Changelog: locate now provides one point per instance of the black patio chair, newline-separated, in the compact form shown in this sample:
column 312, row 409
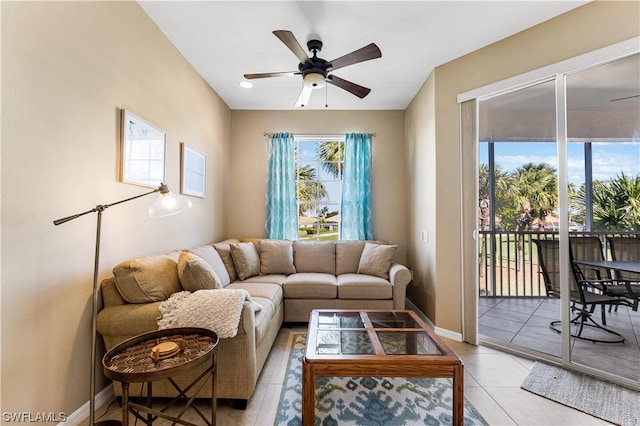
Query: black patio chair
column 590, row 248
column 626, row 248
column 583, row 301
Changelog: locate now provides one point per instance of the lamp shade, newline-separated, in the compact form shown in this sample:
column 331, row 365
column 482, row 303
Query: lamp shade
column 168, row 204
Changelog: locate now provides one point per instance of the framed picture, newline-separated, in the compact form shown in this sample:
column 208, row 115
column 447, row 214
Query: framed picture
column 142, row 152
column 194, row 169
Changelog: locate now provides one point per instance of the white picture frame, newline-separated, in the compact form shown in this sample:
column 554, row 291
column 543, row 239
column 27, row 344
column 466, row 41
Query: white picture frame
column 142, row 151
column 193, row 171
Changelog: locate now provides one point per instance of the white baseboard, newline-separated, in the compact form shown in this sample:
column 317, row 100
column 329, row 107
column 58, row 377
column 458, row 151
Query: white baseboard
column 453, row 335
column 80, row 416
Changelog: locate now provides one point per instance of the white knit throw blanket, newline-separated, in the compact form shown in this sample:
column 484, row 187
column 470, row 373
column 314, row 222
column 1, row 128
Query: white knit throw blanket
column 216, row 310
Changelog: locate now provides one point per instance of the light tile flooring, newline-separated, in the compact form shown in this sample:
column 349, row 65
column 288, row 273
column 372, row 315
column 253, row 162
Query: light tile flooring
column 525, row 322
column 492, row 384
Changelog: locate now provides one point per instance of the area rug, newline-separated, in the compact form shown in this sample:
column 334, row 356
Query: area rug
column 605, row 400
column 367, row 401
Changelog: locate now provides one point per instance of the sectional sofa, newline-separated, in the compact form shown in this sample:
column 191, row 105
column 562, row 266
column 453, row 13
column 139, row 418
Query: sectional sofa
column 282, row 281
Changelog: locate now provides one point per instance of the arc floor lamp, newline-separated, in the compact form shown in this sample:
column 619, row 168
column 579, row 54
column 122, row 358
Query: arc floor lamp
column 167, row 204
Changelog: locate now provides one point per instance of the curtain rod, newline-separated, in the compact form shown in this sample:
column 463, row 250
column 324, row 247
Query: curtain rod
column 317, row 135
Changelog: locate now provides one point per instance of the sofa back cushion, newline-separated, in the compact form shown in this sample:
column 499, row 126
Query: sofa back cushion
column 195, row 273
column 276, row 257
column 209, row 254
column 311, row 256
column 348, row 256
column 148, row 278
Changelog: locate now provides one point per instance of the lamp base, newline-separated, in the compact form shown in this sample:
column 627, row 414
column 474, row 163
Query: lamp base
column 108, row 423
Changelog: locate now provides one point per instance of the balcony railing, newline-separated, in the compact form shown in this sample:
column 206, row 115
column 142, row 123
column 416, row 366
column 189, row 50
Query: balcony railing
column 508, row 261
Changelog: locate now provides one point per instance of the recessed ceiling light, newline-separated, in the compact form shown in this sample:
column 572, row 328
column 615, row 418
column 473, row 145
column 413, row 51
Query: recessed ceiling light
column 246, row 84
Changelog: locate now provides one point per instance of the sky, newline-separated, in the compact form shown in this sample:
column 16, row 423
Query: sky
column 609, row 158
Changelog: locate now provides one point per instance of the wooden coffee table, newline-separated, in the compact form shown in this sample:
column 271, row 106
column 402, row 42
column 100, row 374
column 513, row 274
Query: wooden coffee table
column 376, row 343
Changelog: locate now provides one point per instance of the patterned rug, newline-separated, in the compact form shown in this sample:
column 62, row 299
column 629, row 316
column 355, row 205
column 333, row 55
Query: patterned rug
column 608, row 401
column 365, row 401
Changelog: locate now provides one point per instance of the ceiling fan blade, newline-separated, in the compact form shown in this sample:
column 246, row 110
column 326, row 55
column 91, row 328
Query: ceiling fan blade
column 290, row 41
column 356, row 89
column 303, row 99
column 271, row 74
column 625, row 98
column 363, row 54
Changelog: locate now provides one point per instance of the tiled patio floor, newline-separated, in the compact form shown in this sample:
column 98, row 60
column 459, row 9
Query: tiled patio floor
column 525, row 322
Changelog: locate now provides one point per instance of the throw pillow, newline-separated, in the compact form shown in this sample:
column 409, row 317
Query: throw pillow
column 376, row 260
column 209, row 254
column 196, row 274
column 148, row 278
column 276, row 257
column 348, row 254
column 245, row 259
column 224, row 250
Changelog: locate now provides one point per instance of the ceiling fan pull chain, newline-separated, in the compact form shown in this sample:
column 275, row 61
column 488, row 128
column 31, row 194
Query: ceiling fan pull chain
column 326, row 96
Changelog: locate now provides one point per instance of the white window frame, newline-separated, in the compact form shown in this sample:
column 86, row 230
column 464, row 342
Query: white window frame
column 298, row 139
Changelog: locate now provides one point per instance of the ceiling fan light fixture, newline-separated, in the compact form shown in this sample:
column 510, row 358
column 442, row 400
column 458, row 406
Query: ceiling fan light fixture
column 246, row 84
column 314, row 80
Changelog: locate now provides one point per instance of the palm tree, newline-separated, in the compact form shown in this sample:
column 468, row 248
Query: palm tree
column 500, row 205
column 616, row 203
column 534, row 189
column 308, row 189
column 331, row 155
column 576, row 209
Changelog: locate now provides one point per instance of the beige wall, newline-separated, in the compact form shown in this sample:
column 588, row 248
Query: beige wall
column 67, row 69
column 247, row 184
column 420, row 160
column 438, row 281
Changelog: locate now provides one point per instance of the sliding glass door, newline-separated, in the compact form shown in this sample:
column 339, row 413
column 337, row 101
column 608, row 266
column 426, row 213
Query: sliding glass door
column 603, row 135
column 518, row 202
column 558, row 159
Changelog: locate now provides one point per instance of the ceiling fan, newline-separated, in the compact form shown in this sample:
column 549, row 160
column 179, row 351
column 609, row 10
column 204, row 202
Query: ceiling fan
column 316, row 72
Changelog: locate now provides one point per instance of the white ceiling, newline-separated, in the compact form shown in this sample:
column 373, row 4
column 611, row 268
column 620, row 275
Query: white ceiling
column 225, row 39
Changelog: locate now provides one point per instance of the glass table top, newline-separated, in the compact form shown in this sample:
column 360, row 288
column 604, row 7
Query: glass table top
column 370, row 333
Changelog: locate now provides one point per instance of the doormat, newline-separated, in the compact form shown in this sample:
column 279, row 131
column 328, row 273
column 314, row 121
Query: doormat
column 605, row 400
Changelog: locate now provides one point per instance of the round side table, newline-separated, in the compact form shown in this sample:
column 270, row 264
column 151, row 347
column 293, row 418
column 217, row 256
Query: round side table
column 163, row 354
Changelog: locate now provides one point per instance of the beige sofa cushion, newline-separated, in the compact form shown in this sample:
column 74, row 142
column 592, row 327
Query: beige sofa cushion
column 363, row 287
column 276, row 257
column 348, row 256
column 269, row 296
column 224, row 250
column 148, row 278
column 311, row 256
column 196, row 274
column 268, row 279
column 209, row 254
column 376, row 259
column 309, row 285
column 245, row 259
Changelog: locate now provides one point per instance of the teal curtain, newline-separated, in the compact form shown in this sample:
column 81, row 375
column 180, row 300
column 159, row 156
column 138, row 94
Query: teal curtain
column 356, row 221
column 281, row 210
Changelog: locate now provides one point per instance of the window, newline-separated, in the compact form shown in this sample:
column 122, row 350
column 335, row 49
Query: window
column 319, row 167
